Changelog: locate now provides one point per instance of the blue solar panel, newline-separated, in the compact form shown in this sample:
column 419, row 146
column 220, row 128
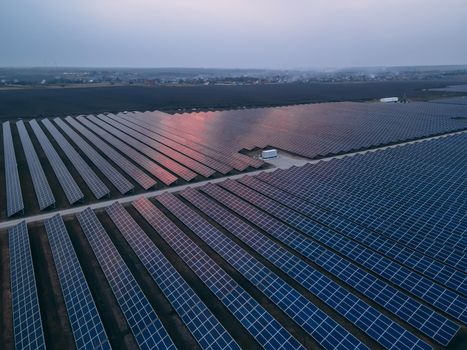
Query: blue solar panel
column 238, row 161
column 85, row 321
column 42, row 189
column 14, row 198
column 314, row 130
column 158, row 157
column 98, row 188
column 144, row 180
column 211, row 162
column 68, row 184
column 262, row 326
column 416, row 314
column 422, row 206
column 323, row 287
column 425, row 265
column 205, row 328
column 447, row 301
column 27, row 324
column 168, row 151
column 318, row 324
column 146, row 163
column 141, row 317
column 114, row 176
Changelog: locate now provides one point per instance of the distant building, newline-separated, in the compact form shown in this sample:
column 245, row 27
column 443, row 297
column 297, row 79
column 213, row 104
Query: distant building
column 389, row 99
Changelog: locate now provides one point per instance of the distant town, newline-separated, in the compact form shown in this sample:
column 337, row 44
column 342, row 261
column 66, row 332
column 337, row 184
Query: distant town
column 81, row 77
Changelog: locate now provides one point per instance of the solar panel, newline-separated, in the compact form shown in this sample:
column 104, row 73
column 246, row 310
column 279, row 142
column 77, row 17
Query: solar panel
column 27, row 323
column 443, row 299
column 240, row 159
column 419, row 207
column 314, row 130
column 191, row 164
column 158, row 136
column 425, row 265
column 202, row 324
column 128, row 167
column 86, row 324
column 261, row 325
column 114, row 176
column 98, row 188
column 421, row 317
column 319, row 325
column 160, row 173
column 144, row 323
column 69, row 185
column 14, row 198
column 185, row 151
column 42, row 189
column 234, row 162
column 160, row 158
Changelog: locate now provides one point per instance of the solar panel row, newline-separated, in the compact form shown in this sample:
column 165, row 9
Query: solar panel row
column 42, row 189
column 117, row 179
column 435, row 236
column 324, row 329
column 165, row 121
column 128, row 167
column 27, row 323
column 421, row 317
column 85, row 321
column 315, row 130
column 190, row 163
column 98, row 188
column 158, row 157
column 146, row 163
column 144, row 323
column 444, row 299
column 138, row 119
column 69, row 185
column 203, row 149
column 203, row 325
column 262, row 326
column 212, row 163
column 14, row 196
column 427, row 266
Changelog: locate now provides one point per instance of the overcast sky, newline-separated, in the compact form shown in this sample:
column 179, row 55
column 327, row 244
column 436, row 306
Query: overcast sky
column 232, row 33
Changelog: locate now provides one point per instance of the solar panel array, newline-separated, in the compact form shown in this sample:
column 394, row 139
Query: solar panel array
column 85, row 321
column 14, row 197
column 42, row 188
column 27, row 323
column 138, row 151
column 98, row 188
column 146, row 163
column 361, row 252
column 200, row 321
column 211, row 162
column 134, row 141
column 145, row 325
column 114, row 176
column 261, row 325
column 188, row 162
column 69, row 185
column 416, row 314
column 325, row 330
column 128, row 167
column 315, row 130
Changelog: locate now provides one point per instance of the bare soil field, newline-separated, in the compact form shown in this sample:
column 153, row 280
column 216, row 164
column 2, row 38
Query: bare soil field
column 33, row 103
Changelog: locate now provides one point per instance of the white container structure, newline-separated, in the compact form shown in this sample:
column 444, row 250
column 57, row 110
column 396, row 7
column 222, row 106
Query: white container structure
column 389, row 99
column 268, row 154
